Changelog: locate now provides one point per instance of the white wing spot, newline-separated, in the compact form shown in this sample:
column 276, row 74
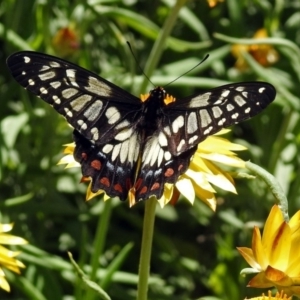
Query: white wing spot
column 205, row 118
column 167, row 155
column 155, row 151
column 192, row 125
column 208, row 130
column 54, row 64
column 78, row 103
column 240, row 88
column 180, row 145
column 124, row 134
column 221, row 122
column 68, row 112
column 31, row 82
column 93, row 111
column 44, row 68
column 47, row 75
column 261, row 90
column 247, row 110
column 23, row 73
column 134, row 148
column 193, row 139
column 245, row 94
column 160, row 157
column 55, row 84
column 96, row 87
column 95, row 133
column 123, row 124
column 27, row 59
column 56, row 99
column 68, row 93
column 235, row 116
column 113, row 115
column 177, row 123
column 200, row 101
column 124, row 151
column 82, row 124
column 230, row 107
column 43, row 90
column 115, row 152
column 225, row 93
column 107, row 148
column 217, row 111
column 167, row 130
column 239, row 100
column 162, row 139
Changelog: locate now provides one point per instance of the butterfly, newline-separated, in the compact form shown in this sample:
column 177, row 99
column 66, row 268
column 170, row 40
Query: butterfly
column 124, row 143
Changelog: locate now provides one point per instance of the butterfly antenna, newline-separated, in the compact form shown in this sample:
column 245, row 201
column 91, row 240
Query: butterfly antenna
column 138, row 63
column 203, row 60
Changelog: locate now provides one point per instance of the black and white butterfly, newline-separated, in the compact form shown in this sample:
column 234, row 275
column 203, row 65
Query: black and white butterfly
column 124, row 143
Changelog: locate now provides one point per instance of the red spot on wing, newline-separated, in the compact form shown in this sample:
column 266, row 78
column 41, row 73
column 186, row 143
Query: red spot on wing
column 96, row 164
column 105, row 181
column 84, row 156
column 169, row 172
column 155, row 186
column 138, row 183
column 118, row 188
column 143, row 190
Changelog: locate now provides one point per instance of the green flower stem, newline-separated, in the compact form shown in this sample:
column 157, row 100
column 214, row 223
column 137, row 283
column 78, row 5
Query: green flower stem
column 160, row 42
column 144, row 267
column 274, row 186
column 99, row 242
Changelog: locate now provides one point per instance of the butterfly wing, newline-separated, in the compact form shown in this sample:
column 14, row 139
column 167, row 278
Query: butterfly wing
column 95, row 107
column 186, row 122
column 105, row 117
column 190, row 120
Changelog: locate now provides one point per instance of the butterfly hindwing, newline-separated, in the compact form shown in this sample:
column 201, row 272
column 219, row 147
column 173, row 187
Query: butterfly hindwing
column 159, row 166
column 110, row 167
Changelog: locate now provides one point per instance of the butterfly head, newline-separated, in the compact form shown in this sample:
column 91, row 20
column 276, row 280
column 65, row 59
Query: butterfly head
column 159, row 94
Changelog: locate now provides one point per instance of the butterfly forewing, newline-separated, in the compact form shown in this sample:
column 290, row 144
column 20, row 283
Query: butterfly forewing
column 123, row 143
column 190, row 120
column 87, row 101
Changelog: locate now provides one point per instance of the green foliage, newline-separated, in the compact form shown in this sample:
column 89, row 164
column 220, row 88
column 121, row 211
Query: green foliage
column 193, row 254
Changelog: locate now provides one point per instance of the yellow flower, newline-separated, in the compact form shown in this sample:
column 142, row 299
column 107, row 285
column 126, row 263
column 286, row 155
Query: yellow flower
column 275, row 256
column 278, row 296
column 203, row 172
column 7, row 257
column 265, row 55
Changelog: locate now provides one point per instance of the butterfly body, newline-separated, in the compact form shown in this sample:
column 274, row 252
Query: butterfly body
column 124, row 143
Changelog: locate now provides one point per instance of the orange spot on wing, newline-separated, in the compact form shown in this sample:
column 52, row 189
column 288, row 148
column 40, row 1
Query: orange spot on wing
column 96, row 164
column 105, row 181
column 169, row 172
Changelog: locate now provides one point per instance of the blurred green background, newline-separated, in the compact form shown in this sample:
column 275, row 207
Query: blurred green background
column 194, row 251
